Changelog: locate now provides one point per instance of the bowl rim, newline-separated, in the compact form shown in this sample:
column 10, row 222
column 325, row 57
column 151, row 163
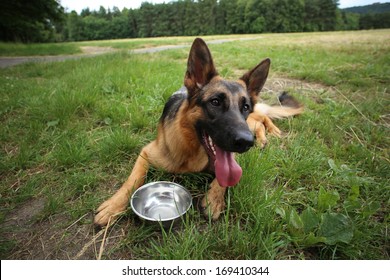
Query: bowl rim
column 154, row 183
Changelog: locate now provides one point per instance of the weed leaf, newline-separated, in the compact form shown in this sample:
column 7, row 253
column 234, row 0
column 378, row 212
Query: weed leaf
column 353, row 202
column 354, row 193
column 295, row 221
column 327, row 199
column 281, row 212
column 109, row 88
column 309, row 219
column 335, row 228
column 371, row 209
column 107, row 121
column 333, row 165
column 53, row 123
column 311, row 239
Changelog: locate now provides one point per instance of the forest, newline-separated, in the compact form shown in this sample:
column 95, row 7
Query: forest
column 47, row 21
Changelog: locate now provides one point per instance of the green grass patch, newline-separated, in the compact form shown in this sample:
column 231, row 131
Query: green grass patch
column 19, row 49
column 72, row 130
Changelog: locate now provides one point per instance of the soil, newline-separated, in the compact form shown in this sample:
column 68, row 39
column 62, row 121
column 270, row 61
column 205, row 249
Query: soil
column 33, row 239
column 96, row 50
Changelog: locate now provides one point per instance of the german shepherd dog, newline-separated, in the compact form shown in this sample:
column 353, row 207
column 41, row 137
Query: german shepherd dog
column 201, row 128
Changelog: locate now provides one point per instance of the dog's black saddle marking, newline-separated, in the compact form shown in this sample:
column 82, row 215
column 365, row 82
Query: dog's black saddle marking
column 173, row 104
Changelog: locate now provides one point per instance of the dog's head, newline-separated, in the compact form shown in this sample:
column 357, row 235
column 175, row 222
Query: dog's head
column 225, row 106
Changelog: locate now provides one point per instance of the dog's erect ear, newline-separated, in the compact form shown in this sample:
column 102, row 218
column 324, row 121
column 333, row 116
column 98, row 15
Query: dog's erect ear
column 200, row 66
column 255, row 79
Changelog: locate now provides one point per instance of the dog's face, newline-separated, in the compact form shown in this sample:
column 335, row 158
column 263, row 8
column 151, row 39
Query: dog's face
column 225, row 106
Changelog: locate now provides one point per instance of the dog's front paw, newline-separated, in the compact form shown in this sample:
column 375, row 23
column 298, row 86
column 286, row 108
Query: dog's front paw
column 213, row 206
column 109, row 210
column 274, row 130
column 261, row 142
column 261, row 139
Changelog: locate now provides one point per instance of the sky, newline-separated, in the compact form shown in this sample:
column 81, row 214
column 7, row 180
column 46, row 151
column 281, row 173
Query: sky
column 78, row 5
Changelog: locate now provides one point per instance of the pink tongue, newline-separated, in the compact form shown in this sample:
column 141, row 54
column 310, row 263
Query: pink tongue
column 227, row 170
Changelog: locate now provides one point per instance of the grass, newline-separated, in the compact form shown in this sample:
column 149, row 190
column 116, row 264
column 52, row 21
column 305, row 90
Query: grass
column 71, row 132
column 19, row 49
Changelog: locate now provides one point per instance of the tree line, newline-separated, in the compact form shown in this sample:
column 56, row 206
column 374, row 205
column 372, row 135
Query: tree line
column 177, row 18
column 204, row 17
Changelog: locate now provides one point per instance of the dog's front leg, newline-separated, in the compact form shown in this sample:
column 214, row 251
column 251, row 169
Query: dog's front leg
column 214, row 202
column 258, row 124
column 118, row 203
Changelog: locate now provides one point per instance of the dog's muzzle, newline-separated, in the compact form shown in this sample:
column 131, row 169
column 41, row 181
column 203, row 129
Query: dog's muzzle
column 243, row 141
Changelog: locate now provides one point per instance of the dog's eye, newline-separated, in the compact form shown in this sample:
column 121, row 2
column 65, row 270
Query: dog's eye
column 215, row 102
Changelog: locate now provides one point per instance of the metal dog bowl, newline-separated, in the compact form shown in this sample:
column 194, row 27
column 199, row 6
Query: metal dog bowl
column 161, row 201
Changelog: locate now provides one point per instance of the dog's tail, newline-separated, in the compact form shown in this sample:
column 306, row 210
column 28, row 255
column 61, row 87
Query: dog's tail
column 288, row 107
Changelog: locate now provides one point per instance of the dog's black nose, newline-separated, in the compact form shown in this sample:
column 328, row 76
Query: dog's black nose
column 243, row 141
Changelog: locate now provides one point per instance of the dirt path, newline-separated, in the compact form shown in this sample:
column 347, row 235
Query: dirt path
column 89, row 51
